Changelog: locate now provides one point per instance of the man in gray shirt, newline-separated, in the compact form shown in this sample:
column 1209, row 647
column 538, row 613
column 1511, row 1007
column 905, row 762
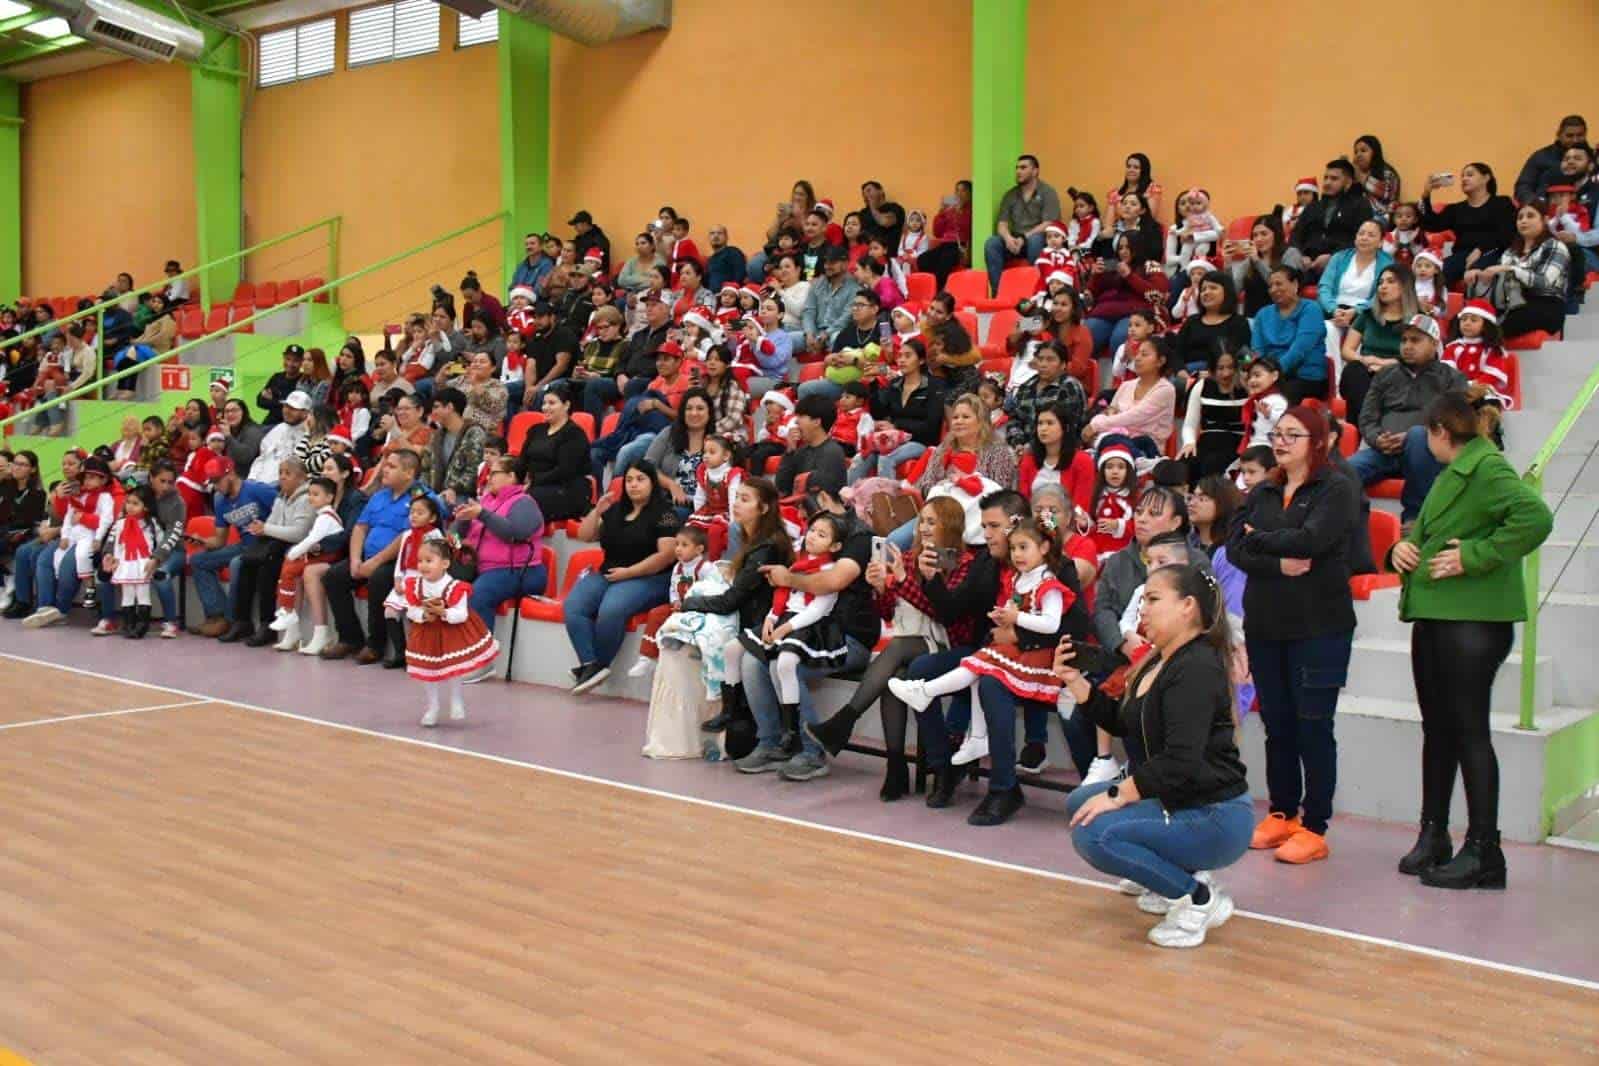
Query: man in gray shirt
column 1027, row 208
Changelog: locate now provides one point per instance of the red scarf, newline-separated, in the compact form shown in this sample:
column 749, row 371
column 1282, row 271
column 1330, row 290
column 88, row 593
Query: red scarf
column 87, row 503
column 805, row 564
column 410, row 550
column 1249, row 415
column 133, row 541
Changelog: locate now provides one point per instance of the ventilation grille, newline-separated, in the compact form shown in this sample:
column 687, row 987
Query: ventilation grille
column 113, row 31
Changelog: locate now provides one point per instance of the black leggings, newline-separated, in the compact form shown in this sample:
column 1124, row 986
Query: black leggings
column 1539, row 312
column 889, row 663
column 1454, row 664
column 1353, row 383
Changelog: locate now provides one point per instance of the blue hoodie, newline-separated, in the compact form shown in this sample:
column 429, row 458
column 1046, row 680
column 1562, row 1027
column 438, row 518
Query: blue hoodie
column 1298, row 342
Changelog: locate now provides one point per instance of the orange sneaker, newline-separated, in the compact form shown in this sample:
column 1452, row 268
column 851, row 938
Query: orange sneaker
column 1273, row 831
column 1304, row 846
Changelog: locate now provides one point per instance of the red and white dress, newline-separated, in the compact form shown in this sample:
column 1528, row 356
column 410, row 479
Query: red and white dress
column 132, row 540
column 1114, row 506
column 405, row 567
column 1053, row 259
column 192, row 482
column 1483, row 364
column 1027, row 667
column 437, row 649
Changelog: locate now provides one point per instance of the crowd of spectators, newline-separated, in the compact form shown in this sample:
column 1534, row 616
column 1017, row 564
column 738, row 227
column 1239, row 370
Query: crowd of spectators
column 1154, row 462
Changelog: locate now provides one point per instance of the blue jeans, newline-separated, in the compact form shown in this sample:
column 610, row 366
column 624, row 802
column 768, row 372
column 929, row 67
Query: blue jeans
column 761, row 692
column 999, row 711
column 884, row 465
column 424, row 390
column 633, row 449
column 1297, row 683
column 1160, row 849
column 23, row 564
column 629, row 428
column 207, row 567
column 1109, row 334
column 597, row 611
column 995, row 253
column 55, row 585
column 598, row 395
column 902, row 537
column 1414, row 463
column 933, row 727
column 494, row 587
column 757, row 267
column 165, row 590
column 821, row 387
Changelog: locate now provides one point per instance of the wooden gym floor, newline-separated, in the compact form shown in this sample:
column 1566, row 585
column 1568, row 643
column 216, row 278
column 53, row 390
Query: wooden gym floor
column 191, row 881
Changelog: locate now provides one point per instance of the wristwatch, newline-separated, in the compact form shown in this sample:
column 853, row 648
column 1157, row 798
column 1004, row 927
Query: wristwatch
column 1113, row 791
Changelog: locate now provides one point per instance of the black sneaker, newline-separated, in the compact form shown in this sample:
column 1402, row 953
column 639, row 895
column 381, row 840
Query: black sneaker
column 593, row 676
column 1033, row 759
column 18, row 609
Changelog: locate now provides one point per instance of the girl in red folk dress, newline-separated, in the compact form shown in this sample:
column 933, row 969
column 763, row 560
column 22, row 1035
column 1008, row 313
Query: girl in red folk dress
column 131, row 542
column 447, row 641
column 715, row 482
column 1028, row 621
column 1114, row 498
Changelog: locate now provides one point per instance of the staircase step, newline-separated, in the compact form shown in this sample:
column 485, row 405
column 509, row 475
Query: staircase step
column 1378, row 668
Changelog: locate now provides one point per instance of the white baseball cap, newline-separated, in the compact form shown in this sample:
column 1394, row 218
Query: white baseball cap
column 299, row 399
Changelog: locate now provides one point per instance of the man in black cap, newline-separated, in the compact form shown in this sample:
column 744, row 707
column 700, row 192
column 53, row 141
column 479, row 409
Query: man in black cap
column 550, row 351
column 590, row 236
column 280, row 385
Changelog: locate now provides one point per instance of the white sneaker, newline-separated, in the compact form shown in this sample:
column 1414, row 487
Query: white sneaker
column 457, row 712
column 284, row 620
column 1103, row 770
column 431, row 717
column 104, row 628
column 642, row 668
column 1155, row 903
column 321, row 638
column 1187, row 923
column 972, row 749
column 170, row 631
column 913, row 693
column 1128, row 887
column 479, row 675
column 44, row 616
column 291, row 636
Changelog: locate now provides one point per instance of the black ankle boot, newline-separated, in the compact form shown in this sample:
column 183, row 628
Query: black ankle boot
column 130, row 622
column 395, row 628
column 1480, row 864
column 834, row 733
column 144, row 613
column 788, row 717
column 733, row 707
column 896, row 779
column 1433, row 848
column 945, row 780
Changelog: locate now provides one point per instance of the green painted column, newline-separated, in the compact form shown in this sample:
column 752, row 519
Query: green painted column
column 999, row 90
column 10, row 190
column 216, row 100
column 524, row 67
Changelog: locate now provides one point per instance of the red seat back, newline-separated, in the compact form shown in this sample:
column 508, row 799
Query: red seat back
column 968, row 287
column 1383, row 530
column 1017, row 284
column 266, row 294
column 968, row 321
column 217, row 319
column 585, row 421
column 240, row 313
column 244, row 292
column 288, row 290
column 1348, row 440
column 520, row 427
column 921, row 287
column 311, row 284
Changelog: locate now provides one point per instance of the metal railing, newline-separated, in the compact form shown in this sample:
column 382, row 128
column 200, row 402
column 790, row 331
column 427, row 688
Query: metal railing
column 304, row 297
column 97, row 311
column 1531, row 565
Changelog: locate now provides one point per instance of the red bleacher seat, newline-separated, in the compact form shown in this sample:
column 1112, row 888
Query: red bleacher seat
column 1453, row 303
column 812, row 371
column 1386, row 489
column 310, row 284
column 521, row 425
column 920, row 286
column 1513, row 372
column 585, row 421
column 217, row 319
column 266, row 294
column 1348, row 440
column 1529, row 342
column 968, row 321
column 1383, row 530
column 244, row 292
column 1000, row 326
column 288, row 290
column 547, row 560
column 191, row 322
column 548, row 611
column 240, row 314
column 1015, row 284
column 968, row 287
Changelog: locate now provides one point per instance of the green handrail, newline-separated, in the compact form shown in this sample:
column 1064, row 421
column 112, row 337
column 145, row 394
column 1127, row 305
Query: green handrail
column 1531, row 568
column 304, row 297
column 99, row 309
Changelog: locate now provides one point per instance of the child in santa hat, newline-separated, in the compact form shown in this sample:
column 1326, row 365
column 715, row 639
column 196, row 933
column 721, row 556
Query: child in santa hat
column 1306, row 192
column 1266, row 402
column 912, row 241
column 1056, row 255
column 1114, row 494
column 1406, row 238
column 1432, row 293
column 1188, row 300
column 1476, row 349
column 779, row 433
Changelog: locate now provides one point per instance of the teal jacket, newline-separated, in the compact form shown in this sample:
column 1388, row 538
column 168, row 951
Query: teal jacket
column 1498, row 519
column 1327, row 285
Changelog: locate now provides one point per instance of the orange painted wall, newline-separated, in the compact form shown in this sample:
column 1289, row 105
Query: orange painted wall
column 403, row 150
column 109, row 147
column 1243, row 99
column 719, row 116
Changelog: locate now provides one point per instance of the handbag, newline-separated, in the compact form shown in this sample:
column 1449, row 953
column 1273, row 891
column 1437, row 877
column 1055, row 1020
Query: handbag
column 463, row 567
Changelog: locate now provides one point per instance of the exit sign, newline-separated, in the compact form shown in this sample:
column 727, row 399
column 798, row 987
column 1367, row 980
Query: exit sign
column 174, row 377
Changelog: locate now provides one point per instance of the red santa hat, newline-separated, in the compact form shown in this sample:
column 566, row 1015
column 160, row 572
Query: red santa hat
column 1199, row 262
column 593, row 257
column 727, row 316
column 754, row 290
column 825, row 206
column 1306, row 185
column 732, row 287
column 1060, row 275
column 525, row 293
column 782, row 399
column 1056, row 227
column 697, row 317
column 215, row 434
column 1115, row 448
column 341, row 434
column 1430, row 256
column 1482, row 309
column 907, row 311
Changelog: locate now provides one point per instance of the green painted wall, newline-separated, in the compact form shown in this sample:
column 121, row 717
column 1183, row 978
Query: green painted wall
column 10, row 190
column 524, row 83
column 999, row 76
column 217, row 131
column 1571, row 767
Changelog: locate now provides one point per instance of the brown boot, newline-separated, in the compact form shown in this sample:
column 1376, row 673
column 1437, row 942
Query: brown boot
column 212, row 627
column 338, row 651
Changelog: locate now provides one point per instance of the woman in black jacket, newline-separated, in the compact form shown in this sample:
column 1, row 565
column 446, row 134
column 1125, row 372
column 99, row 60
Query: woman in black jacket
column 554, row 462
column 1185, row 806
column 765, row 543
column 1484, row 223
column 22, row 499
column 913, row 402
column 1292, row 540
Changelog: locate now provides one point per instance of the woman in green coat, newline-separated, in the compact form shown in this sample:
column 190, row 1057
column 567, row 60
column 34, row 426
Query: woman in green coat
column 1461, row 570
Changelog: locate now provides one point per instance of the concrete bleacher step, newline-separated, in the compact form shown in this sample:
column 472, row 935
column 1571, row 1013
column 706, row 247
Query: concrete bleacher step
column 1583, row 327
column 1380, row 668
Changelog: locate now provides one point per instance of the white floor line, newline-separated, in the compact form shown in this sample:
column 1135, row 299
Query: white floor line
column 102, row 714
column 928, row 849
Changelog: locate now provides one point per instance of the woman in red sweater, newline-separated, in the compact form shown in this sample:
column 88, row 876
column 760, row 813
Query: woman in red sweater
column 1054, row 457
column 1120, row 287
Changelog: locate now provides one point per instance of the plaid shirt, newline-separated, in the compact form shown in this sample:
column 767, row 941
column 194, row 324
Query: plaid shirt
column 1033, row 396
column 603, row 360
column 730, row 408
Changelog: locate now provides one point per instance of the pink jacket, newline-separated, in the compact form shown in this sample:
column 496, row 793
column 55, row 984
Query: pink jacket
column 494, row 552
column 1150, row 417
